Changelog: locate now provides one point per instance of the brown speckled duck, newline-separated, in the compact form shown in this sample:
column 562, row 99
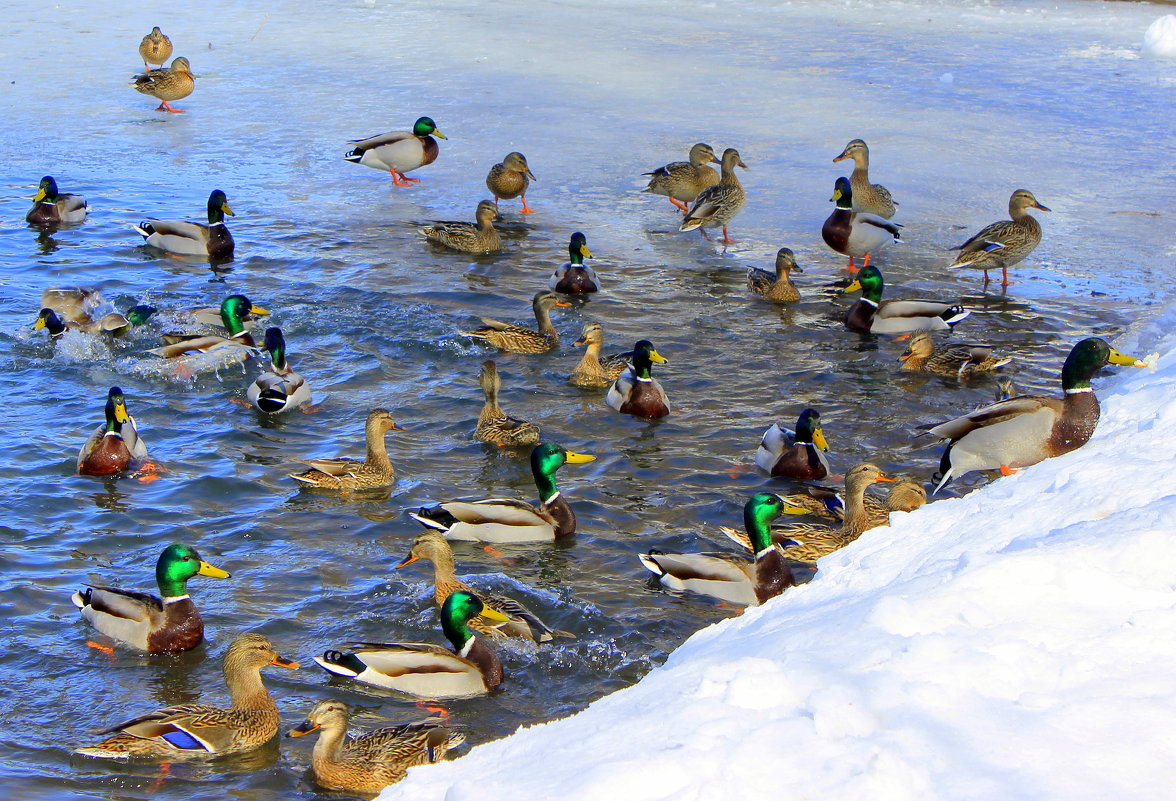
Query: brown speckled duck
column 349, row 475
column 958, row 361
column 167, row 83
column 479, row 237
column 681, row 181
column 1005, row 243
column 778, row 287
column 155, row 48
column 867, row 197
column 510, row 178
column 592, row 370
column 717, row 205
column 494, row 425
column 516, row 338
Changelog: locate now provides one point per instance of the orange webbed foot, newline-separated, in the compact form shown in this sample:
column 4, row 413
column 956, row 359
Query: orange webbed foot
column 1005, row 470
column 106, row 649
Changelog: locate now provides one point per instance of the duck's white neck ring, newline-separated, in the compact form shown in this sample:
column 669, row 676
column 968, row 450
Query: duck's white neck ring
column 872, row 303
column 171, row 599
column 550, row 500
column 1079, row 390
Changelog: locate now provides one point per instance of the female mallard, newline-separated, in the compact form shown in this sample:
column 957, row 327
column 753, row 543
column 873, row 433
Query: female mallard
column 73, row 304
column 800, row 457
column 959, row 361
column 156, row 48
column 681, row 181
column 522, row 622
column 636, row 392
column 494, row 425
column 349, row 475
column 510, row 179
column 730, row 577
column 114, row 447
column 1005, row 388
column 1022, row 431
column 574, row 277
column 873, row 316
column 593, row 371
column 369, row 763
column 507, row 519
column 278, row 389
column 825, row 502
column 778, row 287
column 190, row 730
column 867, row 197
column 212, row 241
column 399, row 152
column 149, row 623
column 1005, row 243
column 51, row 207
column 515, row 338
column 716, row 205
column 167, row 83
column 477, row 237
column 110, row 323
column 854, row 233
column 237, row 346
column 423, row 669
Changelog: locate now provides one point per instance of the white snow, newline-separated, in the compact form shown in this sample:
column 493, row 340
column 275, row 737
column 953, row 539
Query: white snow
column 1159, row 41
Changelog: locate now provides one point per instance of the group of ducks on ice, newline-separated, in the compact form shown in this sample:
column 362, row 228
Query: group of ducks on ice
column 1015, row 432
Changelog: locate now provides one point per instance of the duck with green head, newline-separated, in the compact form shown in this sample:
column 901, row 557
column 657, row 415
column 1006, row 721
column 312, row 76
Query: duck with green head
column 1022, row 431
column 238, row 343
column 110, row 323
column 637, row 392
column 872, row 315
column 398, row 152
column 423, row 669
column 730, row 577
column 508, row 520
column 574, row 277
column 280, row 388
column 855, row 233
column 212, row 241
column 800, row 455
column 156, row 625
column 51, row 207
column 115, row 446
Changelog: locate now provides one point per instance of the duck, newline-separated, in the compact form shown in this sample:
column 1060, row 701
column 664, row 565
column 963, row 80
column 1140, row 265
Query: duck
column 110, row 323
column 280, row 388
column 373, row 761
column 855, row 233
column 521, row 621
column 479, row 237
column 423, row 669
column 730, row 577
column 825, row 502
column 509, row 520
column 237, row 346
column 212, row 241
column 959, row 361
column 494, row 425
column 801, row 456
column 872, row 315
column 516, row 338
column 681, row 181
column 1005, row 243
column 115, row 446
column 167, row 83
column 867, row 197
column 350, row 475
column 636, row 391
column 155, row 48
column 52, row 207
column 717, row 205
column 1005, row 388
column 510, row 178
column 1022, row 431
column 193, row 730
column 399, row 152
column 777, row 287
column 574, row 277
column 592, row 370
column 73, row 304
column 155, row 625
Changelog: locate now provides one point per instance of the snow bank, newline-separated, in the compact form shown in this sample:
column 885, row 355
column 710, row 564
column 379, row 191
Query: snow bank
column 1160, row 39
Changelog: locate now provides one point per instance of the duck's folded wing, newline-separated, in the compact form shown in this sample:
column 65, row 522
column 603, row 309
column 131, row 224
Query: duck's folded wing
column 704, row 566
column 333, row 467
column 509, row 511
column 993, row 414
column 912, row 308
column 878, row 222
column 180, row 228
column 990, row 237
column 391, row 137
column 127, row 604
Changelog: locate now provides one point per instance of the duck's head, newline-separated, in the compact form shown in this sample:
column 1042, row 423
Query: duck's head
column 486, row 212
column 842, row 193
column 906, row 496
column 430, row 546
column 869, row 282
column 156, row 32
column 808, row 429
column 50, row 321
column 177, row 564
column 252, row 651
column 218, row 207
column 548, row 457
column 1087, row 357
column 140, row 314
column 644, row 357
column 488, row 378
column 786, row 261
column 731, row 159
column 862, row 475
column 578, row 247
column 329, row 715
column 517, row 162
column 854, row 150
column 426, row 127
column 593, row 332
column 921, row 344
column 1023, row 199
column 458, row 610
column 381, row 421
column 546, row 299
column 702, row 153
column 275, row 345
column 46, row 190
column 235, row 309
column 116, row 410
column 758, row 513
column 181, row 65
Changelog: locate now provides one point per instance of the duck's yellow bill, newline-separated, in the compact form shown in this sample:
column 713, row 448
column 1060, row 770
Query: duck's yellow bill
column 1127, row 361
column 792, row 509
column 37, row 198
column 120, row 412
column 571, row 457
column 260, row 312
column 493, row 614
column 39, row 324
column 819, row 439
column 438, row 133
column 657, row 358
column 856, row 286
column 212, row 571
column 585, row 252
column 225, row 208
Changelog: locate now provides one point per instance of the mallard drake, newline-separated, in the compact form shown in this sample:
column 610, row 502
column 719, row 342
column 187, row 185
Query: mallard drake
column 51, row 207
column 825, row 502
column 778, row 287
column 867, row 197
column 477, row 237
column 349, row 475
column 515, row 338
column 800, row 456
column 730, row 577
column 636, row 392
column 110, row 323
column 237, row 346
column 1022, row 431
column 211, row 315
column 423, row 669
column 212, row 241
column 115, row 446
column 574, row 277
column 854, row 233
column 369, row 763
column 873, row 316
column 959, row 361
column 510, row 179
column 167, row 83
column 155, row 48
column 593, row 371
column 278, row 389
column 185, row 731
column 717, row 205
column 494, row 425
column 1005, row 243
column 681, row 181
column 522, row 622
column 399, row 152
column 149, row 623
column 507, row 519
